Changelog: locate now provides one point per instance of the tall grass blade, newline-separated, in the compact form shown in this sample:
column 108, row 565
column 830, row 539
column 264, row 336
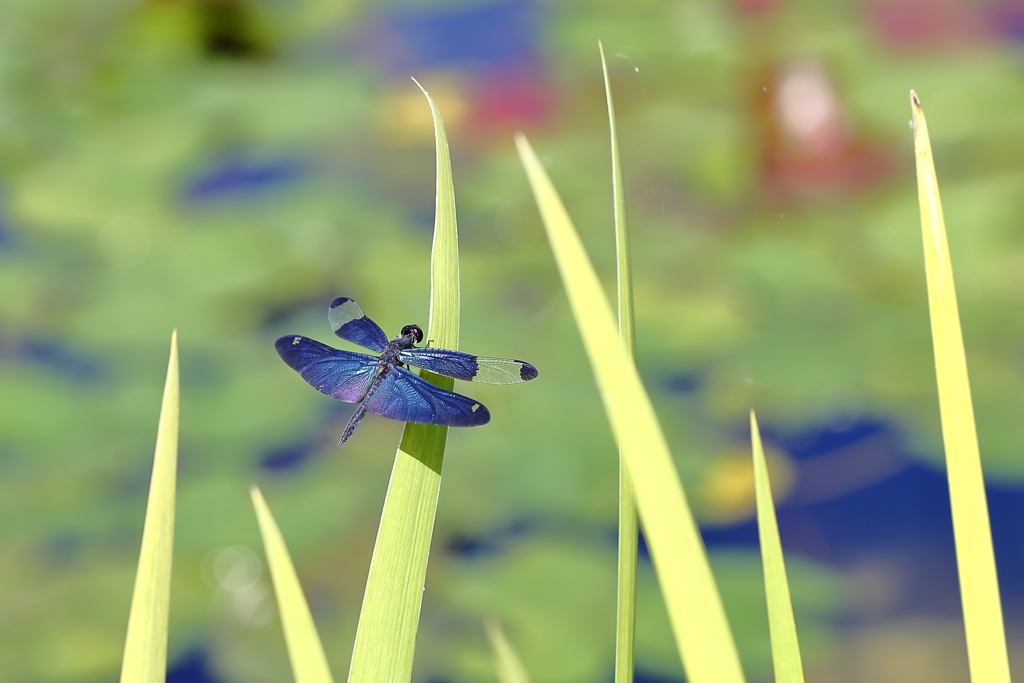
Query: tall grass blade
column 309, row 664
column 691, row 596
column 781, row 624
column 625, row 612
column 510, row 667
column 145, row 648
column 386, row 634
column 979, row 586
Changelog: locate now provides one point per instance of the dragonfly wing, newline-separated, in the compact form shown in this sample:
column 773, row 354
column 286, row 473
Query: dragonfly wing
column 469, row 368
column 342, row 374
column 350, row 323
column 406, row 396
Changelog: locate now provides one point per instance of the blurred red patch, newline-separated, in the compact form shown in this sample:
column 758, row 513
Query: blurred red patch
column 929, row 24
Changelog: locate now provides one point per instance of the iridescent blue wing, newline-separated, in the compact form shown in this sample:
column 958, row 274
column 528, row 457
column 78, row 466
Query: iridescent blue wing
column 410, row 398
column 342, row 374
column 469, row 368
column 350, row 323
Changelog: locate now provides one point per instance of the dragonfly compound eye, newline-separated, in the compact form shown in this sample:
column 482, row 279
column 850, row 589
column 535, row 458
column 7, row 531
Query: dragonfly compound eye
column 415, row 331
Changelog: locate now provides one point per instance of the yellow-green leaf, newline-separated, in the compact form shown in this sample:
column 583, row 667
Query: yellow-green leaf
column 781, row 624
column 386, row 634
column 687, row 584
column 625, row 612
column 979, row 586
column 145, row 648
column 509, row 667
column 309, row 664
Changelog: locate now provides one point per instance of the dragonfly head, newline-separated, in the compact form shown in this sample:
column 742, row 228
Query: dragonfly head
column 413, row 334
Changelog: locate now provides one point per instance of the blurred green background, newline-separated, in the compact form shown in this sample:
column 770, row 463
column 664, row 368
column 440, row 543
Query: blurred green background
column 227, row 167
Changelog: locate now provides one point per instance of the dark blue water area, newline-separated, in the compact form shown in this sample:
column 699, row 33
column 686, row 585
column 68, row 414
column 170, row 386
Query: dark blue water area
column 684, row 382
column 56, row 358
column 493, row 541
column 191, row 668
column 904, row 518
column 7, row 236
column 289, row 457
column 821, row 440
column 494, row 35
column 1006, row 514
column 641, row 676
column 237, row 176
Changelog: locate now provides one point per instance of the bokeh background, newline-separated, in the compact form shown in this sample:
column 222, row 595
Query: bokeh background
column 227, row 167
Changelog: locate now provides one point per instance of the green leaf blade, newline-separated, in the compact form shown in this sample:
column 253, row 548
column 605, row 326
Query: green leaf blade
column 389, row 618
column 145, row 648
column 694, row 606
column 443, row 327
column 781, row 623
column 629, row 523
column 305, row 651
column 509, row 667
column 979, row 585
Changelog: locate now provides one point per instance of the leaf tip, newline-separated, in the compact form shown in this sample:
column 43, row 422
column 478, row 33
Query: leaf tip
column 917, row 112
column 259, row 504
column 523, row 148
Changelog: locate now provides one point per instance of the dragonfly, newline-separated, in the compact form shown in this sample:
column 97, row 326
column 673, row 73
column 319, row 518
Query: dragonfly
column 382, row 384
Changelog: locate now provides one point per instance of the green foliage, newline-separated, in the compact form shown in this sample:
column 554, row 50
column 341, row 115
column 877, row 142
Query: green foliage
column 386, row 636
column 691, row 596
column 629, row 526
column 509, row 667
column 306, row 653
column 979, row 587
column 145, row 648
column 785, row 647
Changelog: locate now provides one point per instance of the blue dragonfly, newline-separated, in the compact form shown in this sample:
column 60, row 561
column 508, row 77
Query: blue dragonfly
column 382, row 384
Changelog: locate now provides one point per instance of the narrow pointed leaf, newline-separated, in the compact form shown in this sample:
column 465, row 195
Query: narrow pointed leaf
column 687, row 584
column 979, row 586
column 309, row 664
column 388, row 620
column 625, row 621
column 145, row 648
column 781, row 624
column 510, row 668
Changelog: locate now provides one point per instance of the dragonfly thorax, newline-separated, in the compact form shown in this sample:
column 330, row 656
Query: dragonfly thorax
column 410, row 336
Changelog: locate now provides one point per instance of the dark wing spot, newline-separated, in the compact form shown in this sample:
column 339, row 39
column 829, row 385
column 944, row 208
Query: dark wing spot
column 339, row 301
column 527, row 371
